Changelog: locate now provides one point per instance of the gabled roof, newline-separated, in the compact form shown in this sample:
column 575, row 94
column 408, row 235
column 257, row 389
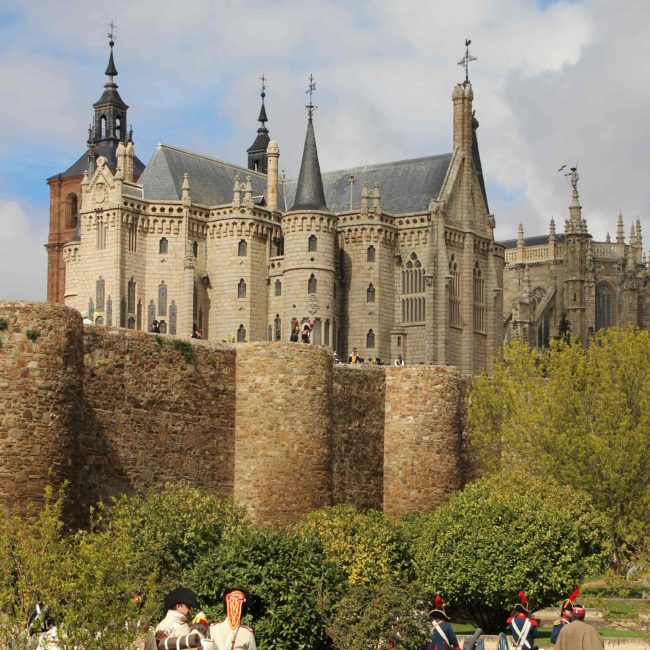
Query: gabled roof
column 405, row 185
column 211, row 180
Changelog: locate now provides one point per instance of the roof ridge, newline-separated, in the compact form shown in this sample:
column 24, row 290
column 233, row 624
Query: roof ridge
column 210, row 158
column 387, row 163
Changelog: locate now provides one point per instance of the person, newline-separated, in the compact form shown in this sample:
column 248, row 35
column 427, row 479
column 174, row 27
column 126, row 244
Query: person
column 399, row 362
column 196, row 332
column 305, row 335
column 443, row 634
column 354, row 357
column 566, row 614
column 177, row 607
column 522, row 627
column 230, row 634
column 295, row 332
column 198, row 637
column 155, row 327
column 579, row 635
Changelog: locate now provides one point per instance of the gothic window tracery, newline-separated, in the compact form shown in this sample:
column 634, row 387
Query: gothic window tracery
column 99, row 293
column 454, row 292
column 413, row 308
column 479, row 299
column 162, row 298
column 604, row 306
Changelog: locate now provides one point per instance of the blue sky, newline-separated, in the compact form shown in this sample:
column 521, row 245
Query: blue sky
column 555, row 82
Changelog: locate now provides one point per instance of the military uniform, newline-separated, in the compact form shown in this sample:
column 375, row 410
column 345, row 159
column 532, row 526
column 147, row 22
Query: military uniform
column 557, row 628
column 443, row 634
column 523, row 628
column 225, row 638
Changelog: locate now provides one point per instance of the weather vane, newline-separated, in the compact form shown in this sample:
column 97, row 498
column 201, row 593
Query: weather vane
column 112, row 25
column 312, row 86
column 263, row 80
column 466, row 60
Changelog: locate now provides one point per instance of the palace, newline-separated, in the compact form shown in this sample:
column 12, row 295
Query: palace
column 394, row 258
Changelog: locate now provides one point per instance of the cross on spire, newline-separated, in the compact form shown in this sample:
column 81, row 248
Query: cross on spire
column 111, row 35
column 466, row 60
column 312, row 87
column 263, row 80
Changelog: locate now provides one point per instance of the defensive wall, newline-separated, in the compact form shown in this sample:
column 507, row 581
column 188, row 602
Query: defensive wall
column 277, row 426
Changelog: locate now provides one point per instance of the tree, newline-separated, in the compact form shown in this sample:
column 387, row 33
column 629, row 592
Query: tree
column 505, row 533
column 580, row 415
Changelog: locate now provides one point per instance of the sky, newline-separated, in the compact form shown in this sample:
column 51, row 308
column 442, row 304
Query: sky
column 555, row 82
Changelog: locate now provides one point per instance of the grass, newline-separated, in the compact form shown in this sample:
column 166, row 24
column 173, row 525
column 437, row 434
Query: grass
column 32, row 335
column 4, row 324
column 185, row 348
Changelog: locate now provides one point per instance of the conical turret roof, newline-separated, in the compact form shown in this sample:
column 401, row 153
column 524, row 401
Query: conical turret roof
column 309, row 191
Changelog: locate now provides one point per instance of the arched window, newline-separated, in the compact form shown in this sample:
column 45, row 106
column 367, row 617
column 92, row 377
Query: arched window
column 118, row 128
column 604, row 306
column 241, row 334
column 139, row 315
column 131, row 323
column 99, row 293
column 370, row 293
column 102, row 126
column 370, row 339
column 242, row 248
column 413, row 284
column 241, row 289
column 269, row 333
column 163, row 327
column 312, row 284
column 278, row 288
column 71, row 211
column 195, row 249
column 278, row 327
column 130, row 295
column 109, row 312
column 454, row 292
column 163, row 246
column 317, row 333
column 371, row 254
column 151, row 315
column 479, row 299
column 162, row 299
column 173, row 316
column 312, row 244
column 123, row 313
column 327, row 332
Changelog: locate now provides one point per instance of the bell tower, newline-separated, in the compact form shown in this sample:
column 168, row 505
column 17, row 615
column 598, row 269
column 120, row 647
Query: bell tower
column 257, row 151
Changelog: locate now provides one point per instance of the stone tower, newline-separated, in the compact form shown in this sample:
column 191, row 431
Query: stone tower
column 257, row 160
column 310, row 248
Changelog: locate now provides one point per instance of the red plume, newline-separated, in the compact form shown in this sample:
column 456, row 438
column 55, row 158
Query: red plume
column 522, row 598
column 574, row 594
column 438, row 602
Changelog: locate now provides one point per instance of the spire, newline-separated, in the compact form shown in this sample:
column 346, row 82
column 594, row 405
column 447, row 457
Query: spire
column 620, row 229
column 111, row 70
column 309, row 191
column 257, row 160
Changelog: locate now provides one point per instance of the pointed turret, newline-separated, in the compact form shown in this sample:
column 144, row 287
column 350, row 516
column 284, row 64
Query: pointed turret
column 309, row 191
column 110, row 110
column 257, row 160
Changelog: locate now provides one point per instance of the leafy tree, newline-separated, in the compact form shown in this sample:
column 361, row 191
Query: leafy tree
column 580, row 415
column 295, row 585
column 373, row 616
column 504, row 533
column 367, row 546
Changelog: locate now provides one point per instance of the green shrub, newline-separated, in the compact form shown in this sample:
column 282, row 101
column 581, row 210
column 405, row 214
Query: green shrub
column 32, row 335
column 505, row 533
column 185, row 348
column 372, row 617
column 4, row 324
column 367, row 546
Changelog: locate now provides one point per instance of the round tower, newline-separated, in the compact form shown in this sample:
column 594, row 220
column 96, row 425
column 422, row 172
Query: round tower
column 310, row 250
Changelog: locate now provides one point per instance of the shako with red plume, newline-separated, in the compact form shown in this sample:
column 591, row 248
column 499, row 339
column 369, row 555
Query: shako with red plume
column 438, row 612
column 522, row 605
column 567, row 605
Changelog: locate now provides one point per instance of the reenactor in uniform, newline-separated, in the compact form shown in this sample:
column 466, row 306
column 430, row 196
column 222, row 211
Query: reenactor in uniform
column 579, row 635
column 230, row 634
column 443, row 634
column 177, row 605
column 566, row 614
column 522, row 627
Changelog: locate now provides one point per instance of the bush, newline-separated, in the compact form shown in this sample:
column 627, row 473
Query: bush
column 367, row 546
column 392, row 610
column 295, row 585
column 505, row 533
column 32, row 335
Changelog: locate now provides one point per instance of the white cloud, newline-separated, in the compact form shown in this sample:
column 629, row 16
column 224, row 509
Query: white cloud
column 23, row 263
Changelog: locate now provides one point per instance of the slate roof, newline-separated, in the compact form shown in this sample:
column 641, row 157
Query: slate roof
column 211, row 180
column 539, row 240
column 105, row 149
column 405, row 185
column 309, row 193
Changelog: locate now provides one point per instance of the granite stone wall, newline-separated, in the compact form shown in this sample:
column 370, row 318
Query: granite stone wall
column 275, row 425
column 40, row 397
column 358, row 435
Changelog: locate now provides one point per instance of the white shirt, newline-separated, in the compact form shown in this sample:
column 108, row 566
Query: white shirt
column 174, row 624
column 222, row 635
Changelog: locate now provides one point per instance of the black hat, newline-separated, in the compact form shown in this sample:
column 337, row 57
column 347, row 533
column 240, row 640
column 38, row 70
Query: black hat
column 180, row 595
column 522, row 605
column 247, row 598
column 439, row 611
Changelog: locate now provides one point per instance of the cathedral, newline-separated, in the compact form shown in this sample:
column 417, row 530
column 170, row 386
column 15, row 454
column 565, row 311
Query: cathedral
column 391, row 259
column 566, row 282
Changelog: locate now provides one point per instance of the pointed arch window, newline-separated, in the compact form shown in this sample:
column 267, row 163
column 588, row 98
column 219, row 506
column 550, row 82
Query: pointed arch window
column 413, row 286
column 370, row 339
column 173, row 316
column 277, row 323
column 312, row 244
column 71, row 211
column 195, row 249
column 99, row 293
column 479, row 299
column 102, row 126
column 312, row 284
column 242, row 248
column 109, row 312
column 151, row 315
column 370, row 293
column 241, row 334
column 604, row 306
column 139, row 315
column 454, row 292
column 162, row 298
column 163, row 246
column 327, row 332
column 241, row 289
column 278, row 288
column 371, row 254
column 130, row 295
column 91, row 309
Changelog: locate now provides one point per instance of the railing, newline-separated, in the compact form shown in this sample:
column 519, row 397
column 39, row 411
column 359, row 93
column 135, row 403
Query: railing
column 605, row 250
